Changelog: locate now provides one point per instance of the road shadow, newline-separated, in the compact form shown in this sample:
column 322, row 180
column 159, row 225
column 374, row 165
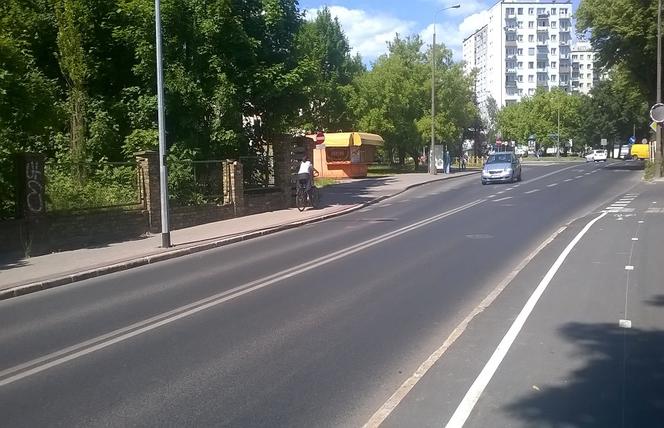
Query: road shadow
column 630, row 165
column 620, row 384
column 657, row 300
column 355, row 191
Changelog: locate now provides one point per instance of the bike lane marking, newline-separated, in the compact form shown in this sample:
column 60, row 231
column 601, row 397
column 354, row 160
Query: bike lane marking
column 475, row 391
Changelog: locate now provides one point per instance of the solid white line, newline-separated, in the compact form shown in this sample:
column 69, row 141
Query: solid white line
column 62, row 356
column 567, row 180
column 531, row 191
column 552, row 185
column 471, row 398
column 502, row 199
column 388, row 407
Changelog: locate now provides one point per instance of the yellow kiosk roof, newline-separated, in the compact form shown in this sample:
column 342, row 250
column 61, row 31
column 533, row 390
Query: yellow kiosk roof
column 347, row 139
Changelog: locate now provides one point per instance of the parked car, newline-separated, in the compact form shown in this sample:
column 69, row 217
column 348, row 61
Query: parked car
column 640, row 151
column 502, row 167
column 597, row 156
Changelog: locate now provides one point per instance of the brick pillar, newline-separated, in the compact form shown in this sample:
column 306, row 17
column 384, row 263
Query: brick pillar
column 237, row 186
column 148, row 169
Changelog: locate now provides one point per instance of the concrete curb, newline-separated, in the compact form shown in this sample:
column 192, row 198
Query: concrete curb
column 196, row 248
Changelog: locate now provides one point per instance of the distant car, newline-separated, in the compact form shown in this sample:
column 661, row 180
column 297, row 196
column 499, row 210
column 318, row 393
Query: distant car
column 501, row 167
column 596, row 156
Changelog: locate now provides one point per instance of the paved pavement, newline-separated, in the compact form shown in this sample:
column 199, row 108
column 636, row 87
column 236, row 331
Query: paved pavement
column 18, row 277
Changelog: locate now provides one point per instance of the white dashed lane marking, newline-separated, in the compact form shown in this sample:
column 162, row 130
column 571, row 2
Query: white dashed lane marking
column 531, row 191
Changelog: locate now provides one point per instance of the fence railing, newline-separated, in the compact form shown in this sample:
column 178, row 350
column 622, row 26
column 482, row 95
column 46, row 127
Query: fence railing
column 7, row 189
column 92, row 185
column 193, row 182
column 258, row 172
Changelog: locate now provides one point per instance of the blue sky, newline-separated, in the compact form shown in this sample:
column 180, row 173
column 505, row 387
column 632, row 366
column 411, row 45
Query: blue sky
column 369, row 24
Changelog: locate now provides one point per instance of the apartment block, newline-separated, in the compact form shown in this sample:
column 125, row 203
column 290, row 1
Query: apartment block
column 523, row 46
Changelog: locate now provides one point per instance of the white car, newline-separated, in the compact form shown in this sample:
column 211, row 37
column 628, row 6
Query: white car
column 596, row 156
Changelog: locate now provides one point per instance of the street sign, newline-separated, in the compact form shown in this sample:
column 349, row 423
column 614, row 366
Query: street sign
column 653, row 126
column 632, row 140
column 657, row 112
column 320, row 137
column 603, row 142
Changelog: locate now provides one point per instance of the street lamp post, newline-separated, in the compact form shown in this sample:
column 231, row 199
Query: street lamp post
column 658, row 133
column 163, row 172
column 432, row 162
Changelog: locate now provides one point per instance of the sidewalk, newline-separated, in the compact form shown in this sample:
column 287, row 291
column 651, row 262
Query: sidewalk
column 27, row 275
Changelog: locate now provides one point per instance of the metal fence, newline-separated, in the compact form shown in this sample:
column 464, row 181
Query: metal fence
column 92, row 185
column 8, row 181
column 195, row 182
column 258, row 172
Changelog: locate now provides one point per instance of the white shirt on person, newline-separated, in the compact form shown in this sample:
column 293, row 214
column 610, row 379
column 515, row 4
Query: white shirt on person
column 305, row 167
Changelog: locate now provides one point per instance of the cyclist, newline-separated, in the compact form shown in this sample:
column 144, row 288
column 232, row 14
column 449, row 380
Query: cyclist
column 306, row 172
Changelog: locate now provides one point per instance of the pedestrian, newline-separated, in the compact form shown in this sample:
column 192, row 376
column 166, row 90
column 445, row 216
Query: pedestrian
column 464, row 161
column 447, row 161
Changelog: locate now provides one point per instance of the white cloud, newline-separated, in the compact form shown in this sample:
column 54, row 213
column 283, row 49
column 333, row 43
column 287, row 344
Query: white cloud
column 368, row 33
column 452, row 34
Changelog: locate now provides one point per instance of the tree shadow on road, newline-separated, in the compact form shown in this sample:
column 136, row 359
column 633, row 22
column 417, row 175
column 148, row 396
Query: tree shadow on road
column 621, row 383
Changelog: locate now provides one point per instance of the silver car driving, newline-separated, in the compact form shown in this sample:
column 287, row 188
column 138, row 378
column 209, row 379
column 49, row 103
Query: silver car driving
column 501, row 167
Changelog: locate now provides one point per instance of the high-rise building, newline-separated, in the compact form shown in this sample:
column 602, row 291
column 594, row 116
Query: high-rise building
column 584, row 73
column 523, row 46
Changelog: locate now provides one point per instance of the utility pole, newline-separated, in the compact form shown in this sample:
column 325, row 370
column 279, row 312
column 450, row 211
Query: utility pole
column 163, row 172
column 658, row 133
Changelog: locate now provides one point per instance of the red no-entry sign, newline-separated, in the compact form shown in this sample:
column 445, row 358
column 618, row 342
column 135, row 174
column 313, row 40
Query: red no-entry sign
column 320, row 137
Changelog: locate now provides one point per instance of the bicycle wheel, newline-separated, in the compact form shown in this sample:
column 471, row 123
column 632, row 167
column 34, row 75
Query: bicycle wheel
column 300, row 200
column 315, row 197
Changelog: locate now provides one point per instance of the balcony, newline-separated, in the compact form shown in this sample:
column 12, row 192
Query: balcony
column 510, row 57
column 510, row 70
column 543, row 84
column 543, row 30
column 510, row 83
column 564, row 57
column 510, row 43
column 564, row 69
column 542, row 55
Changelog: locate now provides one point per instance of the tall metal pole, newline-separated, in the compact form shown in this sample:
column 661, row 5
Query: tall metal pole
column 558, row 148
column 163, row 172
column 432, row 161
column 658, row 133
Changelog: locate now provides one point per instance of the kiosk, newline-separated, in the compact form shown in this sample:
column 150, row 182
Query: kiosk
column 346, row 154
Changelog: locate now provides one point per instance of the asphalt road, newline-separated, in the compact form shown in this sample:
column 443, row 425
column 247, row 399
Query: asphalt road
column 316, row 326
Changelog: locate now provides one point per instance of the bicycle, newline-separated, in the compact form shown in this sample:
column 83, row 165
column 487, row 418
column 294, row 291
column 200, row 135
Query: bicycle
column 303, row 197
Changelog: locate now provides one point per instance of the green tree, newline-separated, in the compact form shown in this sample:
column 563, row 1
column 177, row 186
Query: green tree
column 324, row 54
column 391, row 98
column 623, row 32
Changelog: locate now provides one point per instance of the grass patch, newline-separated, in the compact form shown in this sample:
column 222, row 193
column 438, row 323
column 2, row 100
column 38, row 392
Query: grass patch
column 649, row 170
column 322, row 181
column 378, row 170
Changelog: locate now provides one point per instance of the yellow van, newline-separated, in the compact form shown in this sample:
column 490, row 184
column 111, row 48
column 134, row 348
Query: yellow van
column 640, row 151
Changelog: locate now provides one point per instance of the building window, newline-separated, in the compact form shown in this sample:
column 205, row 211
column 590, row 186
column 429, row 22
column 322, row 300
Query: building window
column 520, row 11
column 519, row 51
column 553, row 11
column 541, row 64
column 519, row 24
column 531, row 51
column 531, row 38
column 580, row 66
column 563, row 12
column 519, row 38
column 553, row 37
column 553, row 64
column 541, row 11
column 531, row 24
column 519, row 65
column 553, row 24
column 553, row 77
column 575, row 57
column 553, row 51
column 531, row 11
column 519, row 78
column 531, row 91
column 510, row 11
column 531, row 65
column 531, row 78
column 588, row 76
column 580, row 85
